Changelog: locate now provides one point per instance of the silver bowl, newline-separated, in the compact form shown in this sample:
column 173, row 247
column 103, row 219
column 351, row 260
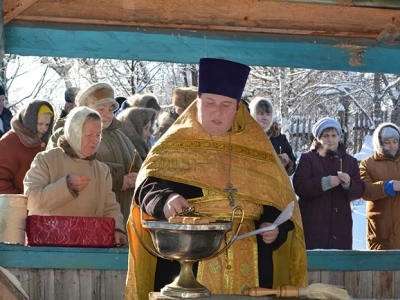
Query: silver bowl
column 187, row 244
column 176, row 241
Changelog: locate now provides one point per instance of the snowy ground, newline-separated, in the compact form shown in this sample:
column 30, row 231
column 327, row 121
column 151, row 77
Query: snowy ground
column 359, row 225
column 358, row 206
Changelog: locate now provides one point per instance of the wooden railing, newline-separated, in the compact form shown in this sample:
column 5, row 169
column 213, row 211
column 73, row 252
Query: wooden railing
column 86, row 273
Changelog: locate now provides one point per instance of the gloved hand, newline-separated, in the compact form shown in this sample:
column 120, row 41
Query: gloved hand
column 389, row 188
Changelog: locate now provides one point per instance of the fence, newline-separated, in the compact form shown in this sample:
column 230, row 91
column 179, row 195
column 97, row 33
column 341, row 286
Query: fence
column 300, row 131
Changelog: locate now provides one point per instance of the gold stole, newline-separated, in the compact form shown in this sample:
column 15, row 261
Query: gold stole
column 187, row 155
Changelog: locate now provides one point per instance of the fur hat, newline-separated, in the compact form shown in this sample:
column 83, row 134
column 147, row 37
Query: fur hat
column 184, row 96
column 74, row 125
column 222, row 77
column 28, row 117
column 143, row 100
column 70, row 94
column 326, row 123
column 96, row 94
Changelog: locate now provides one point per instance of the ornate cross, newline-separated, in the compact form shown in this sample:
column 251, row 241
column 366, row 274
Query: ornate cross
column 230, row 190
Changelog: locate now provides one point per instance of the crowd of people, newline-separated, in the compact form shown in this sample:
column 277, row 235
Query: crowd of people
column 214, row 151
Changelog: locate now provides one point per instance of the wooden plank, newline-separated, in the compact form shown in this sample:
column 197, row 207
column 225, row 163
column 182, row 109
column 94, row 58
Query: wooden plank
column 333, row 277
column 115, row 287
column 189, row 46
column 396, row 284
column 314, row 276
column 86, row 291
column 382, row 283
column 348, row 260
column 359, row 284
column 117, row 259
column 229, row 15
column 12, row 8
column 63, row 258
column 46, row 283
column 99, row 284
column 66, row 284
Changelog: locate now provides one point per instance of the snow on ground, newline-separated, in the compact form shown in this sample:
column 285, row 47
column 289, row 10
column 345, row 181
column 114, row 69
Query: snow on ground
column 359, row 225
column 359, row 206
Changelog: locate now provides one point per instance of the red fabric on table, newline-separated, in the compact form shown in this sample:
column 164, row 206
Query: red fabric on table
column 65, row 231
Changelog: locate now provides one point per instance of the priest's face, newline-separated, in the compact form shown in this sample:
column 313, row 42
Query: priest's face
column 216, row 113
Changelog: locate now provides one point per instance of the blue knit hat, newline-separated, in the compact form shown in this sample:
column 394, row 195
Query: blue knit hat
column 326, row 123
column 222, row 77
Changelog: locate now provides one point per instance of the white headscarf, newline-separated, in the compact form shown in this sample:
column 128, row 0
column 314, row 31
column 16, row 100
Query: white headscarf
column 74, row 125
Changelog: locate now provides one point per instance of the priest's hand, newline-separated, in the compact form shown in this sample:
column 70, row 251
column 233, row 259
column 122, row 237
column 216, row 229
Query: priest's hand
column 269, row 236
column 175, row 204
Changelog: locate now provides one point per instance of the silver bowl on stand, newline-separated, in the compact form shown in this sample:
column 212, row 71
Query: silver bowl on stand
column 187, row 244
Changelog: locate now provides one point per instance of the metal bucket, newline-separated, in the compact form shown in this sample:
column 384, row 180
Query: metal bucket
column 13, row 213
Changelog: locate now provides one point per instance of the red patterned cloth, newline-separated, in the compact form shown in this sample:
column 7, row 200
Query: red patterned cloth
column 65, row 231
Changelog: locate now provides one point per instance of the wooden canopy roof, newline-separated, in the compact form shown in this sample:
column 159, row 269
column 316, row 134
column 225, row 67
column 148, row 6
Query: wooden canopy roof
column 356, row 35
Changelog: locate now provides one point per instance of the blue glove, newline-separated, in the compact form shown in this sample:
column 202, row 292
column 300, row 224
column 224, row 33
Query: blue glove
column 389, row 190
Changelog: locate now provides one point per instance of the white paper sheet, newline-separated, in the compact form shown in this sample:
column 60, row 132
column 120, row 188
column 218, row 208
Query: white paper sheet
column 285, row 215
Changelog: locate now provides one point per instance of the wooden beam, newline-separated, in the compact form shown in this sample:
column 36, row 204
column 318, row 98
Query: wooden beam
column 228, row 16
column 116, row 259
column 12, row 8
column 182, row 46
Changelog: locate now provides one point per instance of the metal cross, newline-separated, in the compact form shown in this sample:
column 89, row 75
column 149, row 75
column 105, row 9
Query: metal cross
column 230, row 190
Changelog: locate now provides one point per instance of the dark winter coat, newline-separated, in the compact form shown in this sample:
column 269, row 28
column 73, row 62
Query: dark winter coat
column 326, row 215
column 6, row 117
column 20, row 146
column 281, row 145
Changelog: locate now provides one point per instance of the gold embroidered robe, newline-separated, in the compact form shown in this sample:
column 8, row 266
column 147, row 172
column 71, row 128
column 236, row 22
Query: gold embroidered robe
column 186, row 154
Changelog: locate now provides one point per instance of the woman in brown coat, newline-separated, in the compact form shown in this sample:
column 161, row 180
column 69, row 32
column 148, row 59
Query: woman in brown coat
column 31, row 129
column 381, row 174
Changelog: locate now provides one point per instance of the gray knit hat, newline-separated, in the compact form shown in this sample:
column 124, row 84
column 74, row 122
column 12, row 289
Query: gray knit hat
column 326, row 123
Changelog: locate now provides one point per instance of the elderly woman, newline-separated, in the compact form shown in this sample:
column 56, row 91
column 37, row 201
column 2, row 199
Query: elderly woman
column 381, row 173
column 69, row 181
column 136, row 124
column 115, row 149
column 31, row 129
column 327, row 179
column 262, row 111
